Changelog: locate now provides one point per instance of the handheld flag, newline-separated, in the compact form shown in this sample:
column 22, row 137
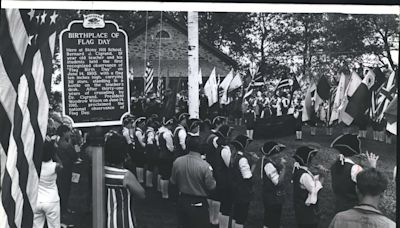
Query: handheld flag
column 211, row 89
column 307, row 108
column 225, row 86
column 339, row 96
column 235, row 83
column 148, row 77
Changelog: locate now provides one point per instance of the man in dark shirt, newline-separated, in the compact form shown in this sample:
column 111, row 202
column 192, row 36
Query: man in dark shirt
column 194, row 179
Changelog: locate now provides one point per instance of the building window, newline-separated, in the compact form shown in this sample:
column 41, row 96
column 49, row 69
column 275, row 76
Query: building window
column 163, row 34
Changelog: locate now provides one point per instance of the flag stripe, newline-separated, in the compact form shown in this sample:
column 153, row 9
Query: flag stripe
column 11, row 64
column 46, row 58
column 7, row 200
column 22, row 159
column 27, row 137
column 17, row 31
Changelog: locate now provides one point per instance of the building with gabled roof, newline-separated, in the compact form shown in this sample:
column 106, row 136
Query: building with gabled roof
column 166, row 47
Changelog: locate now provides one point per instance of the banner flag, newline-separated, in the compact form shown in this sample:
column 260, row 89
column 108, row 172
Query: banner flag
column 340, row 89
column 235, row 83
column 224, row 87
column 211, row 88
column 360, row 101
column 307, row 108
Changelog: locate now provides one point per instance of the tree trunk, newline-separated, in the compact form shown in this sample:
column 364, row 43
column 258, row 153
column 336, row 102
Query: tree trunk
column 193, row 64
column 305, row 51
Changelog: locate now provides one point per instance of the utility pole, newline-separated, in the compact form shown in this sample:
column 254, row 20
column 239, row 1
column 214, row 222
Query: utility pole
column 193, row 64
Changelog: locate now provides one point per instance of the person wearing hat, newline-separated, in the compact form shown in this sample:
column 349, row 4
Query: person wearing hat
column 249, row 118
column 194, row 179
column 242, row 182
column 214, row 144
column 217, row 122
column 297, row 114
column 152, row 105
column 164, row 140
column 140, row 144
column 272, row 176
column 345, row 170
column 180, row 135
column 151, row 149
column 306, row 186
column 128, row 129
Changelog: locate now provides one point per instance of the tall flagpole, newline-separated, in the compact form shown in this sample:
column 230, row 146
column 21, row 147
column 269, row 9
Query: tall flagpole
column 193, row 64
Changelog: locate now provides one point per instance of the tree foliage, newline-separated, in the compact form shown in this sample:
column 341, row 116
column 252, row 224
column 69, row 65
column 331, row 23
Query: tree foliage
column 316, row 44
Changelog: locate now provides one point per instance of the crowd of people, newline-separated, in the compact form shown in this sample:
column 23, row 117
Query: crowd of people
column 209, row 173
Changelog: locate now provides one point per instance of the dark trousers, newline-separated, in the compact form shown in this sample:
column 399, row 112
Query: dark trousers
column 272, row 215
column 64, row 188
column 192, row 212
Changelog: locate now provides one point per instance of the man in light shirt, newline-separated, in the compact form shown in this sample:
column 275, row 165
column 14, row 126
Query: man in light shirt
column 371, row 184
column 194, row 179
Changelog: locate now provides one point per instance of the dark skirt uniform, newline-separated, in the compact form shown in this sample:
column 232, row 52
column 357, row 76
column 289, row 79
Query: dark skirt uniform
column 224, row 188
column 178, row 151
column 273, row 195
column 298, row 119
column 166, row 158
column 213, row 157
column 249, row 119
column 343, row 186
column 151, row 151
column 307, row 216
column 139, row 157
column 242, row 191
column 212, row 154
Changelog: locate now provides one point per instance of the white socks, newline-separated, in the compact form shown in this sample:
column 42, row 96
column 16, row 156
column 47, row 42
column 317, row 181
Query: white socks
column 299, row 135
column 223, row 221
column 159, row 182
column 139, row 174
column 214, row 207
column 164, row 189
column 149, row 179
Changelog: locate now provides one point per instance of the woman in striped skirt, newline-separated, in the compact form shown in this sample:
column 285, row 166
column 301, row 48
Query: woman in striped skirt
column 121, row 185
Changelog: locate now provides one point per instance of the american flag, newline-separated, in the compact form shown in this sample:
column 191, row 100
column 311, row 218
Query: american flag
column 160, row 87
column 148, row 78
column 284, row 83
column 26, row 51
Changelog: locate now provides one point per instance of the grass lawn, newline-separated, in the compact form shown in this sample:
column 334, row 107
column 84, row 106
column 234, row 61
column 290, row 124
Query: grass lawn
column 155, row 212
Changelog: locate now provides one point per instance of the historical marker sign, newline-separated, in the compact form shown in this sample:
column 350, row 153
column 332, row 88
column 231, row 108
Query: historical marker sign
column 94, row 72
